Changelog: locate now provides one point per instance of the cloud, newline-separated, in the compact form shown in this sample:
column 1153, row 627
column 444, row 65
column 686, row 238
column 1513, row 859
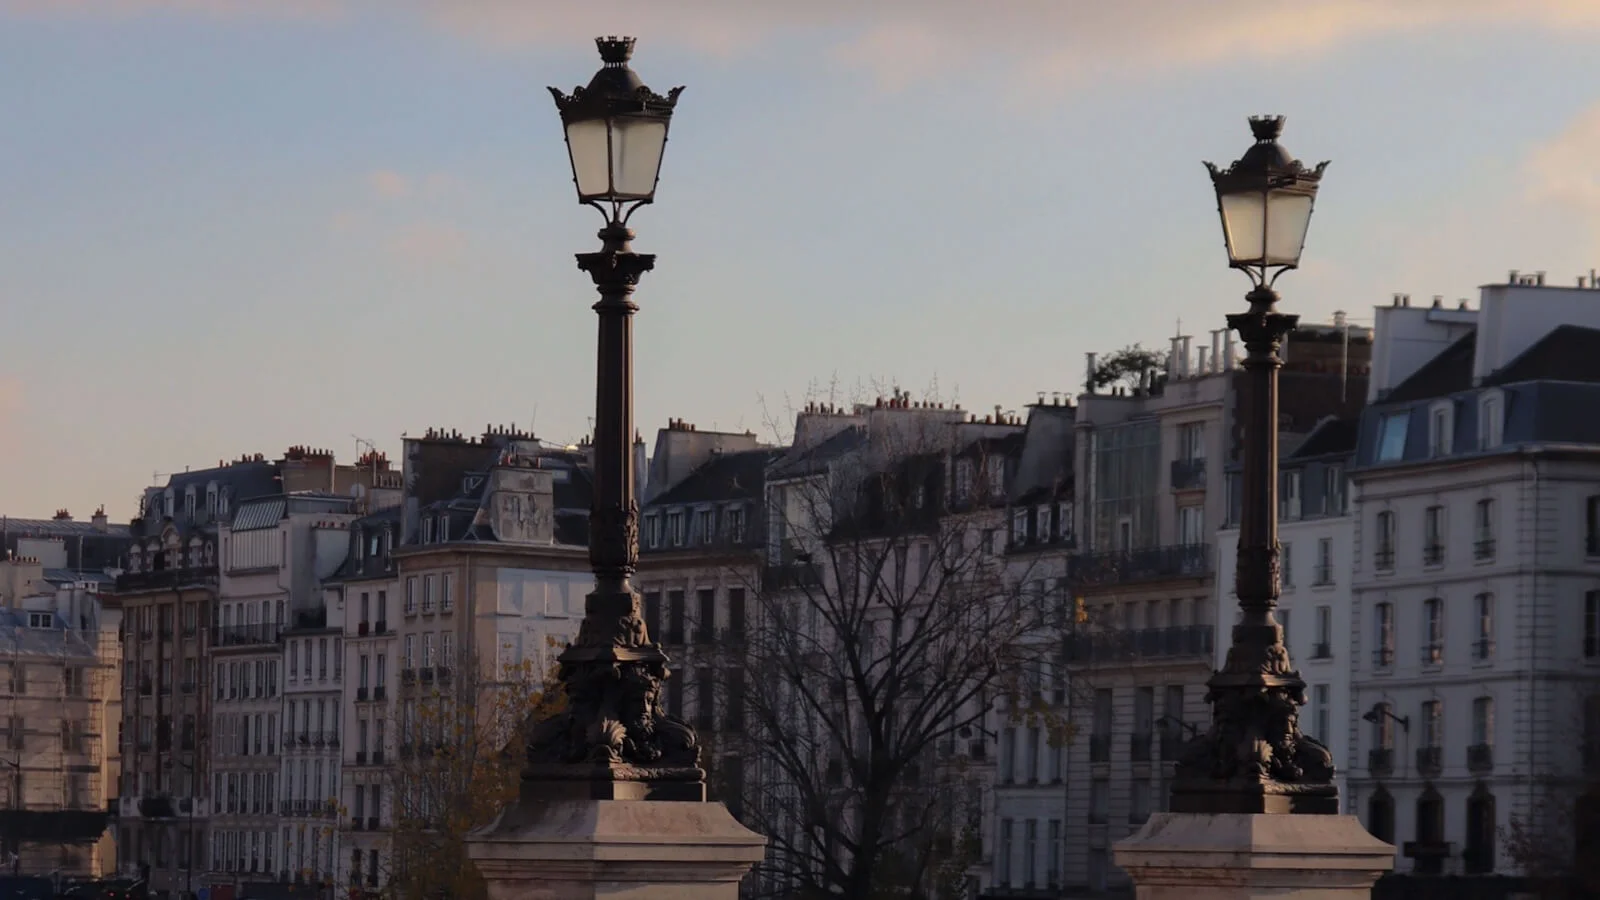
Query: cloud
column 213, row 8
column 429, row 243
column 390, row 184
column 1040, row 42
column 901, row 41
column 1566, row 169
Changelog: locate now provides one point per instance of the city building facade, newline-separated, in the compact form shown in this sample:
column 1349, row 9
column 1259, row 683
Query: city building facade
column 1476, row 616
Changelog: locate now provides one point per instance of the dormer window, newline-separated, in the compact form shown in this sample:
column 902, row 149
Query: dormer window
column 442, row 530
column 707, row 525
column 211, row 500
column 1392, row 436
column 963, row 479
column 169, row 503
column 360, row 548
column 1019, row 526
column 222, row 502
column 427, row 529
column 1064, row 520
column 733, row 521
column 1491, row 419
column 1441, row 425
column 675, row 527
column 995, row 469
column 652, row 530
column 1041, row 523
column 188, row 503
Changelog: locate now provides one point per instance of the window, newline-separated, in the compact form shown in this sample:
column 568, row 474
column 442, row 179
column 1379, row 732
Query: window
column 427, row 594
column 1383, row 556
column 1483, row 611
column 1019, row 527
column 1383, row 622
column 1382, row 727
column 1392, row 436
column 1441, row 424
column 1030, row 851
column 1491, row 420
column 1191, row 525
column 1286, row 563
column 1333, row 492
column 1041, row 523
column 1324, row 572
column 705, row 524
column 675, row 527
column 1483, row 529
column 963, row 486
column 652, row 530
column 409, row 654
column 1591, row 543
column 447, row 600
column 1321, row 712
column 1432, row 723
column 411, row 595
column 1052, row 872
column 1002, row 856
column 1099, row 801
column 994, row 469
column 1324, row 645
column 1192, row 441
column 1064, row 521
column 1282, row 616
column 1380, row 815
column 1483, row 721
column 1478, row 856
column 427, row 529
column 1138, row 801
column 1289, row 496
column 1432, row 631
column 1433, row 536
column 447, row 649
column 1591, row 625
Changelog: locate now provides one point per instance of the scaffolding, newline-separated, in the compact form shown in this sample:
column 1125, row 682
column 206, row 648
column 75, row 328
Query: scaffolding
column 54, row 768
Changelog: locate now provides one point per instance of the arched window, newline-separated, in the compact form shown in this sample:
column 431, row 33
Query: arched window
column 1478, row 856
column 1430, row 832
column 1380, row 815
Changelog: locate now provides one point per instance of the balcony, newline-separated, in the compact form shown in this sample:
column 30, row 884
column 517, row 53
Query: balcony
column 1322, row 576
column 1139, row 746
column 1188, row 474
column 377, row 757
column 1430, row 761
column 1144, row 644
column 379, row 693
column 1480, row 758
column 259, row 634
column 157, row 808
column 425, row 674
column 1099, row 748
column 1483, row 549
column 1128, row 567
column 361, row 630
column 165, row 579
column 1383, row 559
column 1381, row 761
column 790, row 575
column 1432, row 654
column 408, row 675
column 1433, row 555
column 1483, row 649
column 1383, row 657
column 361, row 694
column 361, row 757
column 380, row 627
column 1322, row 650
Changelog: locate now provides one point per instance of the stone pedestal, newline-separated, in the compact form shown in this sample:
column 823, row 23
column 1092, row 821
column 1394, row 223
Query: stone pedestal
column 1231, row 856
column 582, row 849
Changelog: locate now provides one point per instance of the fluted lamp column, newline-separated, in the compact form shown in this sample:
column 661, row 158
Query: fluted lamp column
column 613, row 799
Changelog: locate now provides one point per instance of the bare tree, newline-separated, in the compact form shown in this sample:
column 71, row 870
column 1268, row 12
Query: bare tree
column 1557, row 843
column 886, row 627
column 460, row 760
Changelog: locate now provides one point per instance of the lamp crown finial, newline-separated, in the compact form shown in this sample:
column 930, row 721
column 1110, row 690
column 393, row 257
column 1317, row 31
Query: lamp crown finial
column 615, row 51
column 1266, row 128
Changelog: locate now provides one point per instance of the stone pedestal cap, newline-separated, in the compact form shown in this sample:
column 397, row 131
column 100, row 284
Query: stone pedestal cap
column 618, row 849
column 1198, row 856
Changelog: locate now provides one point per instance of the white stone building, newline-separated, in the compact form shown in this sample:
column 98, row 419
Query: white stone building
column 1476, row 605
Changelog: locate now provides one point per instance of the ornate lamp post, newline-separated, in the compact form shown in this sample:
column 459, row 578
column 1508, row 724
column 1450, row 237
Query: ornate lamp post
column 1253, row 758
column 614, row 742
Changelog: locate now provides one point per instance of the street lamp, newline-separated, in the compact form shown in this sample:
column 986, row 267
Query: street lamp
column 1253, row 758
column 614, row 741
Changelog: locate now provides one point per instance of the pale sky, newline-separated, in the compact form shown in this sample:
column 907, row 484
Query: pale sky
column 229, row 226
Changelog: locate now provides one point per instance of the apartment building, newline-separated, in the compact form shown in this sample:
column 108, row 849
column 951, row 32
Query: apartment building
column 276, row 551
column 1024, row 820
column 367, row 590
column 1151, row 490
column 1476, row 602
column 701, row 535
column 1316, row 530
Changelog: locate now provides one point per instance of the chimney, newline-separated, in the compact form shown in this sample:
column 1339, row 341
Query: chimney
column 1538, row 279
column 1088, row 381
column 1512, row 278
column 1339, row 318
column 1187, row 359
column 1216, row 349
column 99, row 518
column 1174, row 361
column 1227, row 350
column 63, row 516
column 1200, row 360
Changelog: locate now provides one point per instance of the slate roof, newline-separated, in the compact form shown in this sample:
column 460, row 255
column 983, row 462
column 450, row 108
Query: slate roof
column 1567, row 353
column 797, row 463
column 1446, row 373
column 57, row 640
column 360, row 530
column 1331, row 437
column 727, row 476
column 61, row 528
